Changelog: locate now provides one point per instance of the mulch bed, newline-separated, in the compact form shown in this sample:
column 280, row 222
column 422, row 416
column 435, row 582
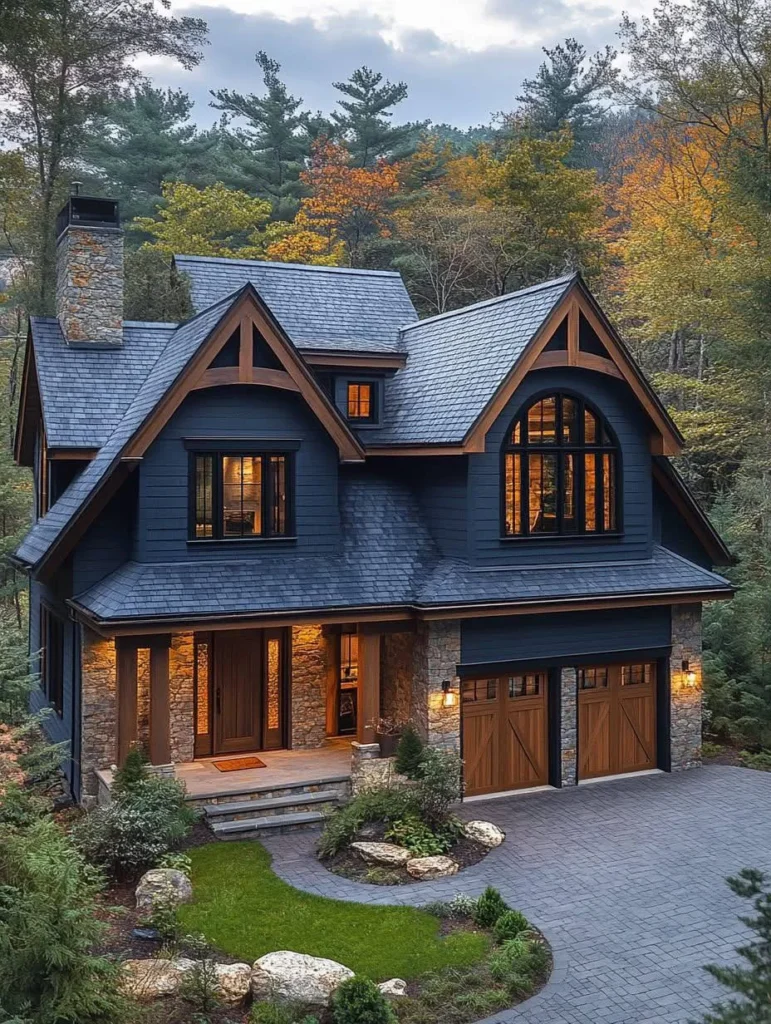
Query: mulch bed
column 348, row 864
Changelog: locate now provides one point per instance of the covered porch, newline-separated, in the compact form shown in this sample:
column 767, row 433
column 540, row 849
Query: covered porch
column 292, row 696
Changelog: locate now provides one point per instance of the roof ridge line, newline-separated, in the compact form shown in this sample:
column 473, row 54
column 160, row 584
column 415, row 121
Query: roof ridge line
column 493, row 301
column 292, row 266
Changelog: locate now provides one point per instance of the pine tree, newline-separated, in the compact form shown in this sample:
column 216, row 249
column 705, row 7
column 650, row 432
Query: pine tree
column 272, row 141
column 145, row 138
column 409, row 753
column 365, row 123
column 752, row 984
column 565, row 92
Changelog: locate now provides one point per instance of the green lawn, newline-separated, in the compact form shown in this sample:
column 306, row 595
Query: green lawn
column 242, row 907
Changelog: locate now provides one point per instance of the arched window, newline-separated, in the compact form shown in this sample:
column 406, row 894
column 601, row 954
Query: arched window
column 560, row 468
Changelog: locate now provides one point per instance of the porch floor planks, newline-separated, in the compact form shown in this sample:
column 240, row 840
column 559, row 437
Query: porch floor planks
column 332, row 762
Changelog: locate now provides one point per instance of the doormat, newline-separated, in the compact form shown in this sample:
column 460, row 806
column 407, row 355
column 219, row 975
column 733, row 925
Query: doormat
column 237, row 764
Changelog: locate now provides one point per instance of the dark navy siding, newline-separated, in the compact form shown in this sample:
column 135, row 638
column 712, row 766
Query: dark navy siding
column 441, row 484
column 59, row 729
column 614, row 399
column 106, row 545
column 247, row 413
column 671, row 530
column 568, row 634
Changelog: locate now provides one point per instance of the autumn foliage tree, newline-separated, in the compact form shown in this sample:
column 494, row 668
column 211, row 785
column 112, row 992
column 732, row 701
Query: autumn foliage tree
column 347, row 204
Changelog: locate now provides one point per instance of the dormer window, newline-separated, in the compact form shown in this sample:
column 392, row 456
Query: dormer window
column 361, row 401
column 560, row 465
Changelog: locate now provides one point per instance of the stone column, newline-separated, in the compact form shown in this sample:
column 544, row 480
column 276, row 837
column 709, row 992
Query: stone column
column 568, row 727
column 181, row 699
column 437, row 656
column 685, row 697
column 310, row 653
column 99, row 710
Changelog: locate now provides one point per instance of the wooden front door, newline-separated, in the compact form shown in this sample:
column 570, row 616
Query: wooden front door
column 616, row 719
column 248, row 676
column 505, row 733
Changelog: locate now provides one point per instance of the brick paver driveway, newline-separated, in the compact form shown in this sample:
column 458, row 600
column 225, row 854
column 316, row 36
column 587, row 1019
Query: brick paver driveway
column 625, row 878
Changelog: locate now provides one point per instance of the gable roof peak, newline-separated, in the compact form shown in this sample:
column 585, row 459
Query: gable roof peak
column 554, row 282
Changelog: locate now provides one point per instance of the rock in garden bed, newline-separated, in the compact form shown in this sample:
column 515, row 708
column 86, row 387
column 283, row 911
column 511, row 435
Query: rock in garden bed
column 424, row 868
column 161, row 886
column 384, row 854
column 297, row 978
column 362, row 866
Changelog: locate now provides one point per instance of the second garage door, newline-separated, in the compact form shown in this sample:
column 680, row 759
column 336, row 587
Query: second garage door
column 505, row 732
column 616, row 719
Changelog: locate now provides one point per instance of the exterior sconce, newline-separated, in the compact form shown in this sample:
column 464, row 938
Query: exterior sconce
column 688, row 673
column 449, row 697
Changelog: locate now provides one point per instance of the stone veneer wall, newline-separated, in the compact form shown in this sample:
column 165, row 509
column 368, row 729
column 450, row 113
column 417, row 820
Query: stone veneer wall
column 89, row 285
column 685, row 700
column 569, row 727
column 311, row 653
column 99, row 716
column 181, row 699
column 397, row 667
column 437, row 656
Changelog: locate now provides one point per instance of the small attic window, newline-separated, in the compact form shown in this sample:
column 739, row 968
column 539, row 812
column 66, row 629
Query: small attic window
column 361, row 402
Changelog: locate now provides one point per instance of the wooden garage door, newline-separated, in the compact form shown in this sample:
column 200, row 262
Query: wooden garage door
column 505, row 732
column 616, row 719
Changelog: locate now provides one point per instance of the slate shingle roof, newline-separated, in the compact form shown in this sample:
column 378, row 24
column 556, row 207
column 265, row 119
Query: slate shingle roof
column 455, row 363
column 318, row 307
column 85, row 392
column 388, row 558
column 181, row 345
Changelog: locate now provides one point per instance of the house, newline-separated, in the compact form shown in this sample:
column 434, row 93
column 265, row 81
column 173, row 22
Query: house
column 305, row 511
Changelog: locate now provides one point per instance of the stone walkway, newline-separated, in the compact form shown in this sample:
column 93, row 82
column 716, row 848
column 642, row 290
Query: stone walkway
column 625, row 878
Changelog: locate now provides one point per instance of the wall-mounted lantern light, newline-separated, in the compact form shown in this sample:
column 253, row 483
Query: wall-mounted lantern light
column 449, row 697
column 688, row 673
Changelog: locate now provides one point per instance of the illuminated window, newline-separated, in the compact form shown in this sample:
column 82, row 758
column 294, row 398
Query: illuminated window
column 240, row 496
column 559, row 471
column 361, row 402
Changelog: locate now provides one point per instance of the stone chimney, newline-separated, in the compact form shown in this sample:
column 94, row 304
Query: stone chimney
column 89, row 272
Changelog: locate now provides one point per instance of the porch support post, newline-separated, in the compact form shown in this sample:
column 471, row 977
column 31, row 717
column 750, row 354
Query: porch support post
column 160, row 745
column 126, row 678
column 369, row 686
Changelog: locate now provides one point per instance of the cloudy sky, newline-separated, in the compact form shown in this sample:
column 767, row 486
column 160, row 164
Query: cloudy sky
column 462, row 59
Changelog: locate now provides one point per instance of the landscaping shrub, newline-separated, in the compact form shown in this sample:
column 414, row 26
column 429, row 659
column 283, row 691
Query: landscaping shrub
column 510, row 925
column 20, row 806
column 177, row 862
column 372, row 805
column 48, row 924
column 760, row 761
column 142, row 823
column 490, row 906
column 279, row 1013
column 458, row 907
column 409, row 753
column 200, row 986
column 133, row 771
column 417, row 837
column 360, row 1001
column 439, row 785
column 519, row 964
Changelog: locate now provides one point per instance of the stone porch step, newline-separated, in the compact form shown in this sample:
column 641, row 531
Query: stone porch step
column 271, row 806
column 340, row 784
column 248, row 827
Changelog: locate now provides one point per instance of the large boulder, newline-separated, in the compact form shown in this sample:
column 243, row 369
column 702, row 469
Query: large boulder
column 297, row 978
column 163, row 886
column 425, row 868
column 395, row 988
column 233, row 982
column 145, row 980
column 484, row 832
column 384, row 854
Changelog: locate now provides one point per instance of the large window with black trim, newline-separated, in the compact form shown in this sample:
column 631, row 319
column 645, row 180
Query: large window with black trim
column 560, row 471
column 52, row 657
column 238, row 495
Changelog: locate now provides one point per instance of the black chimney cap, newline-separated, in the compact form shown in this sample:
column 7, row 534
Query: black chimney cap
column 88, row 212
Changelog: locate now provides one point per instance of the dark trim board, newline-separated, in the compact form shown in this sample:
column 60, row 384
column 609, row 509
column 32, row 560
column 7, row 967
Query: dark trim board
column 663, row 715
column 554, row 709
column 470, row 671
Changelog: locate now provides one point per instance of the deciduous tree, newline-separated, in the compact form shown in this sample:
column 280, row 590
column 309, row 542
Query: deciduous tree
column 60, row 60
